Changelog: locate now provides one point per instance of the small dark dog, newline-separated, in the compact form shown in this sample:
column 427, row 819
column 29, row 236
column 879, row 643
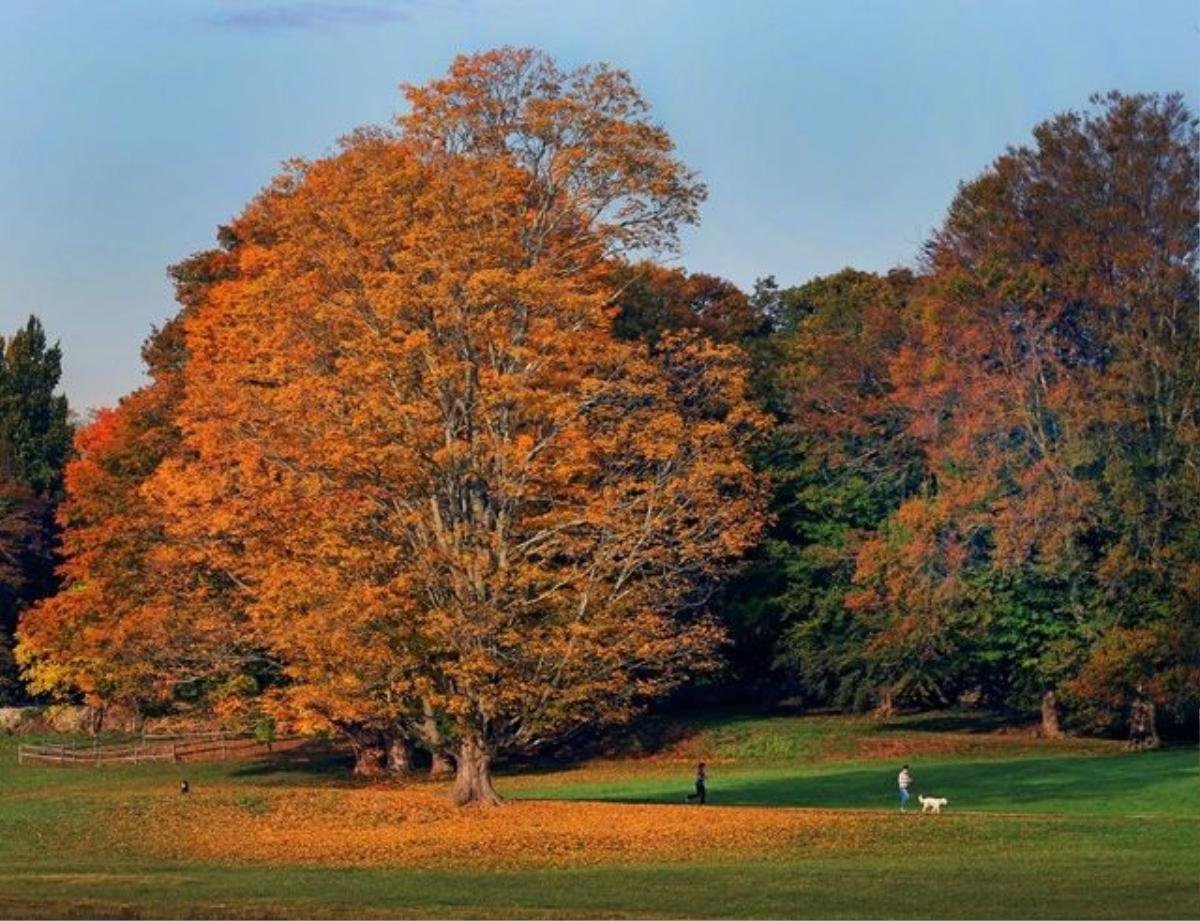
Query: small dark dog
column 183, row 787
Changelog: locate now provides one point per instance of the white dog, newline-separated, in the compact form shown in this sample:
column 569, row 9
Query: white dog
column 932, row 803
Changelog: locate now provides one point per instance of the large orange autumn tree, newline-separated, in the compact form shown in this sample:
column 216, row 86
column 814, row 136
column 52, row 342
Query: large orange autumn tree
column 459, row 508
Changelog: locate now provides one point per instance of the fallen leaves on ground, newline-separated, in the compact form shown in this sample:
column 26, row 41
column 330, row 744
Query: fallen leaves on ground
column 417, row 826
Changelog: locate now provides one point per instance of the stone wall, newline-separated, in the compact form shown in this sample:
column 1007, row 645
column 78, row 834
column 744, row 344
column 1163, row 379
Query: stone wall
column 67, row 718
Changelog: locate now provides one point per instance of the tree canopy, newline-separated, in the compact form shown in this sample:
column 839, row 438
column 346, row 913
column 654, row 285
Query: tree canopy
column 457, row 505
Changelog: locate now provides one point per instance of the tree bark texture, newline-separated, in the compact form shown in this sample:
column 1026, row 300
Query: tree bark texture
column 473, row 780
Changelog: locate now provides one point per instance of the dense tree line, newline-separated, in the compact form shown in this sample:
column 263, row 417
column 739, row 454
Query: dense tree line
column 435, row 454
column 985, row 470
column 35, row 439
column 988, row 473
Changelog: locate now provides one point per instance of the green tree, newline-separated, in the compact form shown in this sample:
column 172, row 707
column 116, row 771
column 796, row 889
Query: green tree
column 35, row 440
column 35, row 430
column 839, row 462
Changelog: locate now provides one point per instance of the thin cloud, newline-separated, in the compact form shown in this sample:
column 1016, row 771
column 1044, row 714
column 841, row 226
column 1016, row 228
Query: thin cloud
column 311, row 14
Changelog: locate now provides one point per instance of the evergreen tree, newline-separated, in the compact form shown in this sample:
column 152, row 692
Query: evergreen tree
column 35, row 440
column 35, row 431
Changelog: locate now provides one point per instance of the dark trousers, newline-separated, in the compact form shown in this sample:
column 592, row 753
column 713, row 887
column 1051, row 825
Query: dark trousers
column 699, row 795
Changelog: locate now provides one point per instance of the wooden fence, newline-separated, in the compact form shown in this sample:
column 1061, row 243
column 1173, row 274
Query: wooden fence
column 207, row 746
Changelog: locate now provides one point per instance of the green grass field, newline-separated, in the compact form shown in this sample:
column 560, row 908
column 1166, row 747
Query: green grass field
column 1069, row 829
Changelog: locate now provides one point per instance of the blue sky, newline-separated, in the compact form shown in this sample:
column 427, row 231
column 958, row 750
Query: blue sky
column 829, row 133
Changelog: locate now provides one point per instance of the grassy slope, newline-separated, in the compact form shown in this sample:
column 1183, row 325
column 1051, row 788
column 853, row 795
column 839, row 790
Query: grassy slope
column 1075, row 830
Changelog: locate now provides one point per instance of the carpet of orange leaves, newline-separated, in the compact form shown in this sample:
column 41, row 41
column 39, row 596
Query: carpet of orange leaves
column 416, row 826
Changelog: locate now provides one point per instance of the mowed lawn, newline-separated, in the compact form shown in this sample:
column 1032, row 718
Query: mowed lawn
column 803, row 823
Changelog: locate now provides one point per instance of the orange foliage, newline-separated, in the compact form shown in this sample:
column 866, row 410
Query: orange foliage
column 134, row 620
column 454, row 501
column 98, row 634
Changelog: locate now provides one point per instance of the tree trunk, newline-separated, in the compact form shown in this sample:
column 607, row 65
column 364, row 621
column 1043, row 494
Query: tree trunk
column 370, row 751
column 473, row 781
column 1143, row 731
column 1051, row 727
column 441, row 766
column 886, row 708
column 399, row 756
column 1152, row 739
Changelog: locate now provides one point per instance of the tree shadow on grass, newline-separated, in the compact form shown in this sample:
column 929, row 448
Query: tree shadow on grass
column 971, row 722
column 318, row 761
column 647, row 737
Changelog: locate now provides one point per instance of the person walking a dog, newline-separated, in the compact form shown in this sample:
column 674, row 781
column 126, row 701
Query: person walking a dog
column 701, row 779
column 905, row 781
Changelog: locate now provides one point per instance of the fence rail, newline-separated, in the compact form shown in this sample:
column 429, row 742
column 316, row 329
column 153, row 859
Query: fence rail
column 206, row 746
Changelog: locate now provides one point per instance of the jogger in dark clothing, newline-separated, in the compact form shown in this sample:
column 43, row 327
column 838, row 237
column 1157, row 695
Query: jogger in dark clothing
column 701, row 776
